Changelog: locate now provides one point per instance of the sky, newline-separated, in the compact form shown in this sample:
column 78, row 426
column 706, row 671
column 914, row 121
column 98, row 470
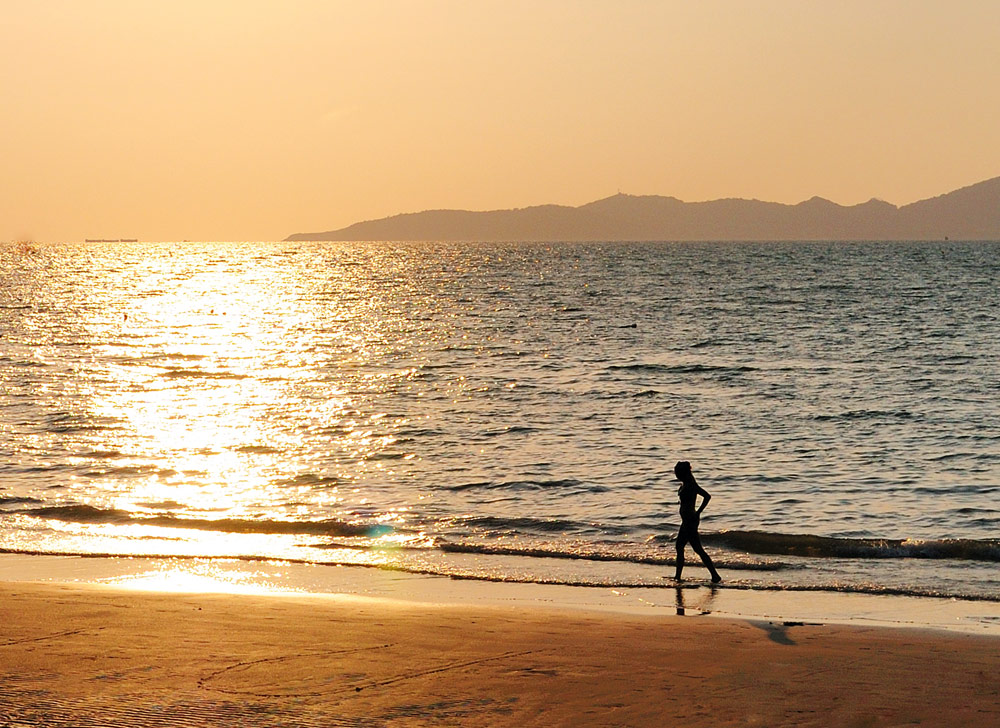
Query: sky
column 251, row 120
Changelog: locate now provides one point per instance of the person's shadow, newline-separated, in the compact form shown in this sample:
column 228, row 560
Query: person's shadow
column 775, row 632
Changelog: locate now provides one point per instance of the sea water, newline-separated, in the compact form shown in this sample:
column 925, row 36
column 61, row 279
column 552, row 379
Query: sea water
column 511, row 411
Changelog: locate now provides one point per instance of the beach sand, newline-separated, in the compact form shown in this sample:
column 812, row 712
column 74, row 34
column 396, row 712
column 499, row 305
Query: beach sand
column 84, row 655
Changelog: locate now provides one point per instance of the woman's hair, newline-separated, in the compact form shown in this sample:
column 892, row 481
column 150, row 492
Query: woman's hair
column 682, row 468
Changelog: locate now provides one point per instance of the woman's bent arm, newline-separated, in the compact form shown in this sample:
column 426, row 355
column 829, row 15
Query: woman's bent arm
column 705, row 496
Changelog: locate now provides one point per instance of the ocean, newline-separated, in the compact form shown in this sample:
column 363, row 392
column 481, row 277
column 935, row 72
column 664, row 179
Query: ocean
column 511, row 412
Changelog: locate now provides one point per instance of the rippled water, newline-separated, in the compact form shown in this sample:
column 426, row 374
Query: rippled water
column 475, row 410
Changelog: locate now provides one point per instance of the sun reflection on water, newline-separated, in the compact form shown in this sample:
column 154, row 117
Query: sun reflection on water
column 236, row 392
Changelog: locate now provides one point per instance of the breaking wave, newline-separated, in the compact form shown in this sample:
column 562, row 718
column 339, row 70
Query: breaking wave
column 780, row 544
column 91, row 514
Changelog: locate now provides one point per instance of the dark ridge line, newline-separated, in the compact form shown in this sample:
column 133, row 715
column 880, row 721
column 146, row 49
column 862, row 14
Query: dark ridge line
column 968, row 213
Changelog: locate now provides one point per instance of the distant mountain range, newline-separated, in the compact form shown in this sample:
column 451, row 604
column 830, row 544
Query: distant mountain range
column 970, row 213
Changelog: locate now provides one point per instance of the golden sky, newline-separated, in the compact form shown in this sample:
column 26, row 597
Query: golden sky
column 202, row 119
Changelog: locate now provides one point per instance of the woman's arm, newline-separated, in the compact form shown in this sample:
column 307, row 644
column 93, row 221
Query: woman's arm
column 705, row 496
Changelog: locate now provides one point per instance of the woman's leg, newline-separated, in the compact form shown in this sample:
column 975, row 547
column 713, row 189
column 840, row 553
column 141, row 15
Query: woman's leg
column 681, row 543
column 705, row 558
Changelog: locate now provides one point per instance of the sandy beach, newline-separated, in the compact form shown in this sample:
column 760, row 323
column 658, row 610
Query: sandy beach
column 88, row 655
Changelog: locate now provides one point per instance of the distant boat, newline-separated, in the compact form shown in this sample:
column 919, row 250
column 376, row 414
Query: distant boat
column 111, row 240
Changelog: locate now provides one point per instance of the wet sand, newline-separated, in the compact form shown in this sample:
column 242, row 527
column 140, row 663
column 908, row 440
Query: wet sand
column 79, row 655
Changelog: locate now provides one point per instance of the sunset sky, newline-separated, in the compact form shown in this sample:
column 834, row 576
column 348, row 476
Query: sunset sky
column 202, row 119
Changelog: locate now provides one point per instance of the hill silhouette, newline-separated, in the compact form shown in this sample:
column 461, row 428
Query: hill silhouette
column 970, row 213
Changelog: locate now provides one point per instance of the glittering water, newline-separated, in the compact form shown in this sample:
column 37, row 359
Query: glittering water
column 510, row 411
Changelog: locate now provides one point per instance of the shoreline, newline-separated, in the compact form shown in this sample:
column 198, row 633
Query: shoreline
column 95, row 654
column 692, row 598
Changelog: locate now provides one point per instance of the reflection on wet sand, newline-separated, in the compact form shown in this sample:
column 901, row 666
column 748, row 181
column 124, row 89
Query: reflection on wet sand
column 703, row 606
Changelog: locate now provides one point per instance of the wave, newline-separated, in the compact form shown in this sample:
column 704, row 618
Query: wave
column 527, row 524
column 102, row 454
column 513, row 430
column 755, row 543
column 520, row 485
column 184, row 373
column 92, row 514
column 971, row 489
column 24, row 363
column 590, row 555
column 17, row 500
column 840, row 588
column 548, row 552
column 681, row 368
column 761, row 543
column 780, row 544
column 864, row 414
column 258, row 450
column 171, row 356
column 311, row 480
column 70, row 422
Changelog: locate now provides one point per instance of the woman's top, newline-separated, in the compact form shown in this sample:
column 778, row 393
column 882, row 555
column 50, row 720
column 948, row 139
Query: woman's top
column 688, row 494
